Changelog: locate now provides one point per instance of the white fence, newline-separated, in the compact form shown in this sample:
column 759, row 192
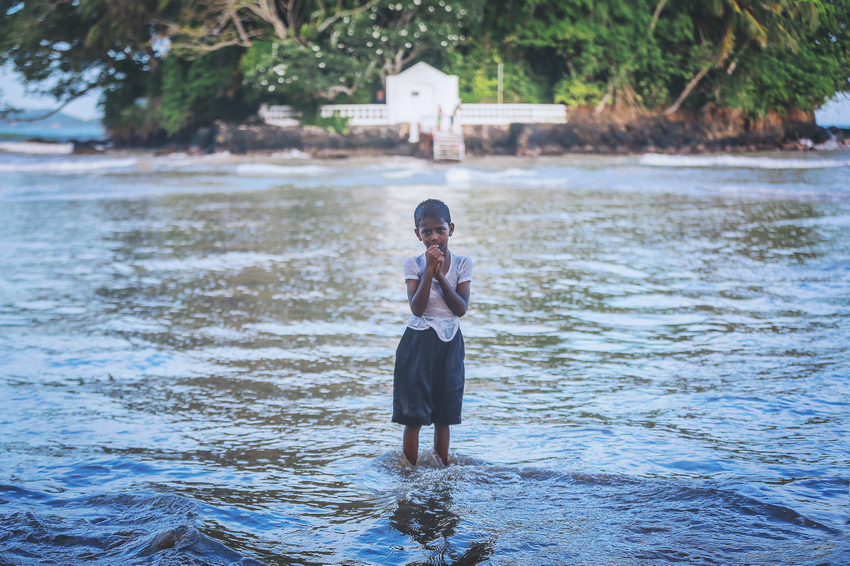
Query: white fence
column 471, row 114
column 503, row 114
column 358, row 114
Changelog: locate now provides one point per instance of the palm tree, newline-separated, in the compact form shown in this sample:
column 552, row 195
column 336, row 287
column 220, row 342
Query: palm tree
column 743, row 22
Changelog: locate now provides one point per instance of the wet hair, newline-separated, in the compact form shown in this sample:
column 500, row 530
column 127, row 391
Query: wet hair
column 432, row 208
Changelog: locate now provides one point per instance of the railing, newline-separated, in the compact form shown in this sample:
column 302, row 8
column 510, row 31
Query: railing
column 471, row 114
column 358, row 114
column 283, row 116
column 503, row 114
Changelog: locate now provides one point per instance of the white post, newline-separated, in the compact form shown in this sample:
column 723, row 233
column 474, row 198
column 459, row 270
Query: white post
column 500, row 83
column 414, row 132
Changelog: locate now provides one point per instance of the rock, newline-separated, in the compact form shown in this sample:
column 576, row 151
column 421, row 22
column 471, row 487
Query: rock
column 202, row 141
column 333, row 154
column 241, row 138
column 710, row 129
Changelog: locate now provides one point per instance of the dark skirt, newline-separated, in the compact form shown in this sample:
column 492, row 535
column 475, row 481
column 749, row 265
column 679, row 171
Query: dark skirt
column 428, row 379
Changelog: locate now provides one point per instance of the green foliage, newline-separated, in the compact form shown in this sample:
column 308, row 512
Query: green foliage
column 199, row 91
column 752, row 54
column 335, row 123
column 747, row 54
column 65, row 49
column 814, row 72
column 574, row 92
column 795, row 67
column 348, row 54
column 179, row 96
column 290, row 72
column 477, row 70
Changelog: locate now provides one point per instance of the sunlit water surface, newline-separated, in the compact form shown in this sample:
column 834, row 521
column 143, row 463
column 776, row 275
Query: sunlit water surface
column 197, row 354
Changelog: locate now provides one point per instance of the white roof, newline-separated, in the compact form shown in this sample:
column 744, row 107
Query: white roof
column 420, row 70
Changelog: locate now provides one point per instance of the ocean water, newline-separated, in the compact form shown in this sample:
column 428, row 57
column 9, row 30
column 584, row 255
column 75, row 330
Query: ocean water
column 38, row 130
column 196, row 361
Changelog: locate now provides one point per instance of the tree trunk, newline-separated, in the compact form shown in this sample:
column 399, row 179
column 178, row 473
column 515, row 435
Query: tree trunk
column 656, row 15
column 604, row 102
column 687, row 91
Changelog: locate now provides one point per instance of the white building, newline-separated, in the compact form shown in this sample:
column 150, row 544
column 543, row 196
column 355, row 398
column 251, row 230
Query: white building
column 420, row 95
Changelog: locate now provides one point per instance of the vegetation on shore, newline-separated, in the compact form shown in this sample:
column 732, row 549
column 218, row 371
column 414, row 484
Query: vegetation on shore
column 167, row 67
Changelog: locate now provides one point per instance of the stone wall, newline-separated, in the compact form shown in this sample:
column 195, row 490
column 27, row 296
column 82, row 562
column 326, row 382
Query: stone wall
column 585, row 132
column 242, row 138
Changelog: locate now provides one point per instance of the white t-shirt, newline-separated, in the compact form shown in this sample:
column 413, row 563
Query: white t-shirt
column 437, row 314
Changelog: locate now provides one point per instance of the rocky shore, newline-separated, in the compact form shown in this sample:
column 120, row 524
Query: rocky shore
column 710, row 131
column 682, row 133
column 584, row 132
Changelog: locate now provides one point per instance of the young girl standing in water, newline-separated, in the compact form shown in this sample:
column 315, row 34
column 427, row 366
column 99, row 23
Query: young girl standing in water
column 429, row 376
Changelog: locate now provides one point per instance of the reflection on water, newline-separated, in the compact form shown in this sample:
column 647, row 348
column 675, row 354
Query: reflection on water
column 198, row 370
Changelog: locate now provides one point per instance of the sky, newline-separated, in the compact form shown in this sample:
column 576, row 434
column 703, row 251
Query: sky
column 834, row 113
column 14, row 95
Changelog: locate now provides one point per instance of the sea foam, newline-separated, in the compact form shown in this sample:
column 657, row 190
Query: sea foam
column 268, row 170
column 661, row 160
column 37, row 148
column 463, row 175
column 67, row 165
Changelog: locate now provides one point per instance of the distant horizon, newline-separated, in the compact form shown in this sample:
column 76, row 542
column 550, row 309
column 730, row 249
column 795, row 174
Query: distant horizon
column 26, row 115
column 14, row 94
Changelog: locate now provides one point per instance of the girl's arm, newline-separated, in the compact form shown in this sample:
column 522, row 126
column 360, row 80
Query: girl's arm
column 419, row 292
column 457, row 300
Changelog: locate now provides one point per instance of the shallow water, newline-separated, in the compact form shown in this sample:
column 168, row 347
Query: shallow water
column 197, row 354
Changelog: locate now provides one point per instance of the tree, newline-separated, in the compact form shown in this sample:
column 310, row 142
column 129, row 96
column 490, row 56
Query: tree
column 339, row 51
column 785, row 80
column 67, row 49
column 743, row 23
column 226, row 56
column 209, row 25
column 602, row 47
column 476, row 65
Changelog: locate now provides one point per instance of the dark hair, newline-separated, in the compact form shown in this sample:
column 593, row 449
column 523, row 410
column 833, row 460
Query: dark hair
column 432, row 208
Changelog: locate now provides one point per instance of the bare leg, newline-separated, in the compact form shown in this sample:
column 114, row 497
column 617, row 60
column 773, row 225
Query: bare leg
column 411, row 443
column 441, row 442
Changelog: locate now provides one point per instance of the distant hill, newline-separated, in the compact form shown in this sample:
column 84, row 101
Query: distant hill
column 58, row 120
column 59, row 127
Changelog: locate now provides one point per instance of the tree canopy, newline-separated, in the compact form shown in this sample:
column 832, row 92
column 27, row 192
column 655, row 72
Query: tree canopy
column 169, row 66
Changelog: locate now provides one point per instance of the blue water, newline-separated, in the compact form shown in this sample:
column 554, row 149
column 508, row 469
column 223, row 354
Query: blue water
column 196, row 361
column 54, row 134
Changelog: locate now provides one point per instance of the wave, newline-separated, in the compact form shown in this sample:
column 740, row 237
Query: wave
column 67, row 165
column 291, row 154
column 402, row 173
column 341, row 328
column 268, row 170
column 661, row 160
column 230, row 261
column 463, row 175
column 37, row 148
column 123, row 528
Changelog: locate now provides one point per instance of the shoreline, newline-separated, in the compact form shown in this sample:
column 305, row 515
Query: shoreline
column 582, row 134
column 83, row 149
column 585, row 132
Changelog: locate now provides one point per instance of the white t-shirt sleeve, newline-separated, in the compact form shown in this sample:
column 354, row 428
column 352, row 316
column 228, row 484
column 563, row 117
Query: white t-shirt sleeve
column 411, row 269
column 464, row 270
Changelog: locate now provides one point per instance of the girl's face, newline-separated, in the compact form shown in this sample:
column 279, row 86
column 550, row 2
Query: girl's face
column 435, row 232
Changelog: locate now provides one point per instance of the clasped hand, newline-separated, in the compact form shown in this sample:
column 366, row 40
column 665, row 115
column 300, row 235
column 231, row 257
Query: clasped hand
column 434, row 260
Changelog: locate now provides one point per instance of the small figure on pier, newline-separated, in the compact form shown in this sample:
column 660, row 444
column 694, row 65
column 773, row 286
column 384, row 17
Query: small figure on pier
column 457, row 124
